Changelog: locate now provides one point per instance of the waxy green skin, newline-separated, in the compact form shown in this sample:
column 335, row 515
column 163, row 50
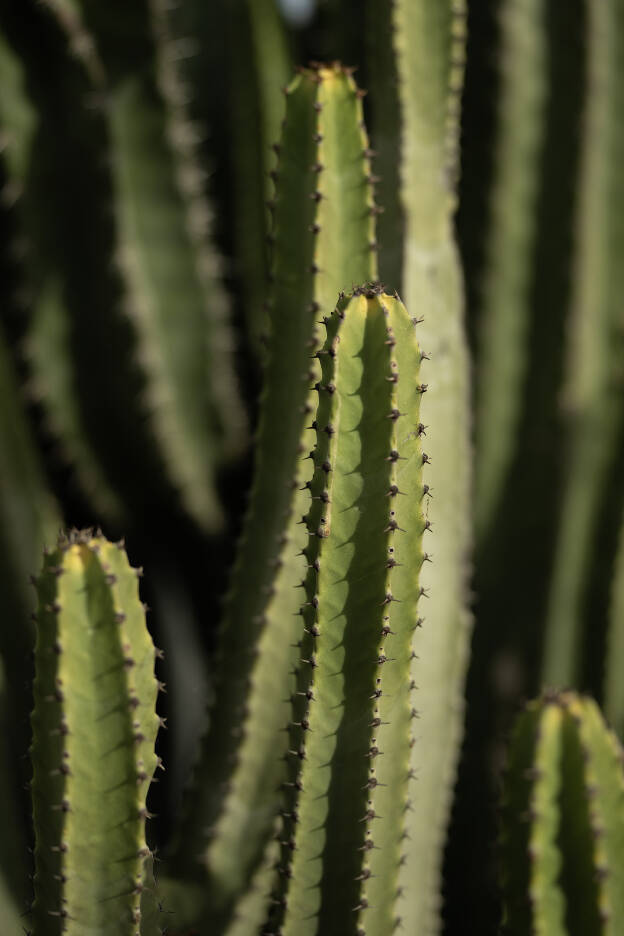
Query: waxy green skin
column 562, row 834
column 323, row 232
column 429, row 41
column 94, row 728
column 346, row 796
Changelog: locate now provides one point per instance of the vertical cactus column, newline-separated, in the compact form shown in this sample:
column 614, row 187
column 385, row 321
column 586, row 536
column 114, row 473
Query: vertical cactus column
column 429, row 41
column 94, row 727
column 346, row 796
column 594, row 390
column 323, row 241
column 506, row 300
column 562, row 844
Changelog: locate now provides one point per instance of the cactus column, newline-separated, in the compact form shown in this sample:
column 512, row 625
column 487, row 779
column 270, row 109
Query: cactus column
column 429, row 41
column 347, row 801
column 563, row 823
column 94, row 728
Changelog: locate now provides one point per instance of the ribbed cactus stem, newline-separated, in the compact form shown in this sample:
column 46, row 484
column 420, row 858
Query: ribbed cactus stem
column 346, row 795
column 563, row 823
column 323, row 241
column 94, row 727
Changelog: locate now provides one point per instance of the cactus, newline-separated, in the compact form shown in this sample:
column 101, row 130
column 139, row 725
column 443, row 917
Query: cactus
column 562, row 838
column 593, row 396
column 323, row 232
column 429, row 42
column 346, row 802
column 504, row 325
column 94, row 727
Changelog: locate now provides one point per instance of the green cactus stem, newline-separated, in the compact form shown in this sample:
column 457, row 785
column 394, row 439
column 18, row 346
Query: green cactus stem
column 94, row 727
column 346, row 795
column 594, row 388
column 508, row 276
column 562, row 839
column 429, row 42
column 323, row 229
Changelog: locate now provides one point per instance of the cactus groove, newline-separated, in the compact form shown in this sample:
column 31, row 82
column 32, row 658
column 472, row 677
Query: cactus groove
column 94, row 727
column 562, row 838
column 323, row 241
column 346, row 795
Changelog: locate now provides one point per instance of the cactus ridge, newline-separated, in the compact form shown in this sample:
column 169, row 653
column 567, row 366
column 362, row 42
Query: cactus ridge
column 94, row 729
column 323, row 241
column 349, row 739
column 563, row 822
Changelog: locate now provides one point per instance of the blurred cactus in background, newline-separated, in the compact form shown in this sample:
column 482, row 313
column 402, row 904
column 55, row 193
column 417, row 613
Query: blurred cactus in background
column 203, row 352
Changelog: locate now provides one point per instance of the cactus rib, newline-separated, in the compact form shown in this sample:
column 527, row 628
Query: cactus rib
column 94, row 728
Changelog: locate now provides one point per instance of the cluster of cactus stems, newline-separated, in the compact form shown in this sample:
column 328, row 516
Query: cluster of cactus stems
column 322, row 241
column 321, row 795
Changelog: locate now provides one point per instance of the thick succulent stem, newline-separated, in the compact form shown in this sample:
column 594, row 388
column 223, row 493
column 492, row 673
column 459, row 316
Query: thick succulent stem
column 346, row 796
column 593, row 398
column 94, row 727
column 562, row 843
column 506, row 291
column 429, row 41
column 323, row 231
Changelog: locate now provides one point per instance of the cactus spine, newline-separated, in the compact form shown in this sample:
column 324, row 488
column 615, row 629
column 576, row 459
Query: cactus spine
column 429, row 42
column 94, row 727
column 563, row 822
column 323, row 230
column 594, row 399
column 346, row 800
